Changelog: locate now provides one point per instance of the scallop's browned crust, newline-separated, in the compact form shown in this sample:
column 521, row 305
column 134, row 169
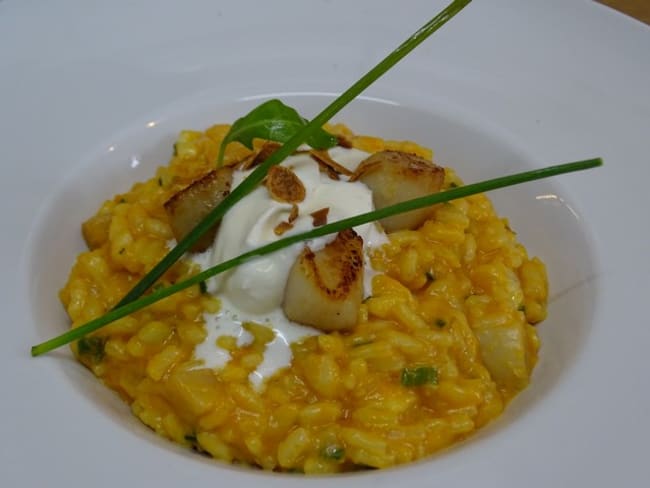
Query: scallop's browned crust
column 394, row 177
column 190, row 205
column 325, row 288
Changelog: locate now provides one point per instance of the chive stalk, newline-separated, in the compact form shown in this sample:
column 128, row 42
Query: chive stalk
column 123, row 310
column 290, row 146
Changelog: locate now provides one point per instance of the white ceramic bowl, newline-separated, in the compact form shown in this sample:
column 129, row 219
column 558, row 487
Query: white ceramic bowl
column 93, row 95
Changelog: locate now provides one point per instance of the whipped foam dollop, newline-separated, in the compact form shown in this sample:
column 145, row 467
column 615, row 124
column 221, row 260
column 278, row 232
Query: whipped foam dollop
column 253, row 292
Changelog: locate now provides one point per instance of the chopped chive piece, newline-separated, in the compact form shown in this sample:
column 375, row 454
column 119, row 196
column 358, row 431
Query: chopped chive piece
column 92, row 347
column 361, row 341
column 430, row 276
column 191, row 438
column 203, row 287
column 160, row 182
column 333, row 452
column 423, row 375
column 441, row 323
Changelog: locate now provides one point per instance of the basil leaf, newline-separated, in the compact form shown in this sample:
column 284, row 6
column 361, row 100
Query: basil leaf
column 274, row 121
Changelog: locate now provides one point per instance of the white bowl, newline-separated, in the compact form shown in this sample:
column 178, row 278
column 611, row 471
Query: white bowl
column 504, row 87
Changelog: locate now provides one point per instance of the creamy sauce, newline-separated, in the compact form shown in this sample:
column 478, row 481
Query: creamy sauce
column 253, row 292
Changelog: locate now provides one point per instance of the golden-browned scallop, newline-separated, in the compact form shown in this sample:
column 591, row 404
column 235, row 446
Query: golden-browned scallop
column 395, row 176
column 325, row 288
column 190, row 205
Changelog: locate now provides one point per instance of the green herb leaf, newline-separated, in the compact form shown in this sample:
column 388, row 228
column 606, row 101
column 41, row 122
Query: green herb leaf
column 92, row 347
column 333, row 452
column 126, row 307
column 423, row 375
column 275, row 121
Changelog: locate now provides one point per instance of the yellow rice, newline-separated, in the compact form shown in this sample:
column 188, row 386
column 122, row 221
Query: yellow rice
column 340, row 406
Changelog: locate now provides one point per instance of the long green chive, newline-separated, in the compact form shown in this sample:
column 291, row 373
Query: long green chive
column 290, row 146
column 445, row 196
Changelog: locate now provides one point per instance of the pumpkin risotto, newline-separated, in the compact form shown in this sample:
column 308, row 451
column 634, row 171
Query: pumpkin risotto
column 429, row 349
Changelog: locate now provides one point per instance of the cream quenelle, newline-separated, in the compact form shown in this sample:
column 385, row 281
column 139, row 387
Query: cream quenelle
column 253, row 292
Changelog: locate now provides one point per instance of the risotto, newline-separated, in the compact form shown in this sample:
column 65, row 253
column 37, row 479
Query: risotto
column 441, row 342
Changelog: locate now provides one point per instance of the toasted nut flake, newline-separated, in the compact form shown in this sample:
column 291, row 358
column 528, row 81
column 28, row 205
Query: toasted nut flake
column 323, row 159
column 344, row 142
column 333, row 175
column 282, row 227
column 284, row 185
column 319, row 217
column 262, row 155
column 293, row 215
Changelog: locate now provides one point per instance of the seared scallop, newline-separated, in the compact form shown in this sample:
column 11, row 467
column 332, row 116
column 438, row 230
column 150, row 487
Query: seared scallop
column 394, row 177
column 325, row 288
column 189, row 206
